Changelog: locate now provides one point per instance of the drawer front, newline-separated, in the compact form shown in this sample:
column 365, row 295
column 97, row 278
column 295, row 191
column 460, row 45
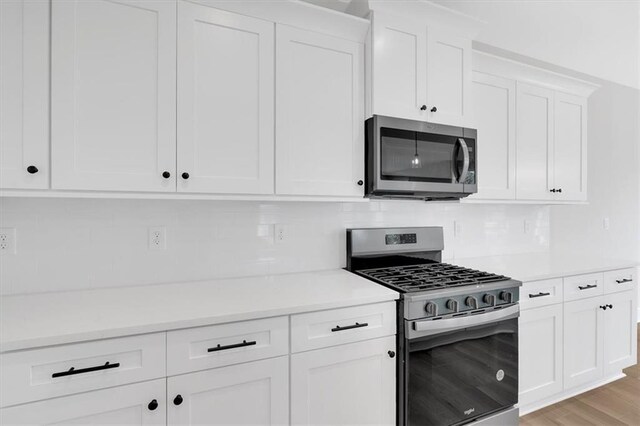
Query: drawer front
column 37, row 374
column 620, row 280
column 201, row 348
column 541, row 293
column 583, row 286
column 338, row 326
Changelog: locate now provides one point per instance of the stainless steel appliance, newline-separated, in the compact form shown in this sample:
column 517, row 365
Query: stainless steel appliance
column 457, row 328
column 416, row 159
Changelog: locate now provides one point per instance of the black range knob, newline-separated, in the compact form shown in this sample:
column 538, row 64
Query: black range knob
column 153, row 405
column 32, row 169
column 452, row 305
column 434, row 109
column 489, row 299
column 185, row 175
column 177, row 400
column 506, row 296
column 391, row 354
column 471, row 302
column 166, row 175
column 360, row 183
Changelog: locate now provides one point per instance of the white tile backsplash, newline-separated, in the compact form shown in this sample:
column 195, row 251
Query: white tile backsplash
column 65, row 244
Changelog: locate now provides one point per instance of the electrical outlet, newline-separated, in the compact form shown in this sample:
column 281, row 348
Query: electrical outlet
column 457, row 228
column 157, row 238
column 8, row 240
column 605, row 223
column 527, row 227
column 279, row 233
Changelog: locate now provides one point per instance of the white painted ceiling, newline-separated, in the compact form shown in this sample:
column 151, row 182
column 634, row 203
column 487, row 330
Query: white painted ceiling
column 596, row 37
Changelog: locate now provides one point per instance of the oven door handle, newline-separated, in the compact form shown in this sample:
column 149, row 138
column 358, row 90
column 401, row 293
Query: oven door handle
column 466, row 321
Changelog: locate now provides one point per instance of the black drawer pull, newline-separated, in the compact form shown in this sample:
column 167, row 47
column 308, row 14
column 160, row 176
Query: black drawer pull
column 349, row 327
column 625, row 280
column 72, row 371
column 532, row 296
column 587, row 287
column 235, row 345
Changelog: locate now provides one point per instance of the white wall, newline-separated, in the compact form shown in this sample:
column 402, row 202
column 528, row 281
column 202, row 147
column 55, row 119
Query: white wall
column 75, row 243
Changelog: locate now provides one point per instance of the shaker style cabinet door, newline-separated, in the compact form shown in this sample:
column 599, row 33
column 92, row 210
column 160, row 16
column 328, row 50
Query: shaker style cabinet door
column 24, row 94
column 345, row 385
column 570, row 147
column 540, row 349
column 620, row 331
column 131, row 405
column 494, row 100
column 534, row 153
column 583, row 341
column 254, row 393
column 399, row 83
column 225, row 102
column 113, row 77
column 319, row 114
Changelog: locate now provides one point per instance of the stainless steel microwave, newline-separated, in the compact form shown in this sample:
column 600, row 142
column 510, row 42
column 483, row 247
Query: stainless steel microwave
column 416, row 159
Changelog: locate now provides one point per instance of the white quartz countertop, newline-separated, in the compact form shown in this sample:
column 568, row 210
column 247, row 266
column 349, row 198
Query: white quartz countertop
column 540, row 266
column 28, row 321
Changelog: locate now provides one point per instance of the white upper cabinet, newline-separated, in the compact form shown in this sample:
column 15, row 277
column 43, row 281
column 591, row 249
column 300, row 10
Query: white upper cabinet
column 494, row 105
column 319, row 114
column 113, row 95
column 24, row 94
column 225, row 102
column 570, row 147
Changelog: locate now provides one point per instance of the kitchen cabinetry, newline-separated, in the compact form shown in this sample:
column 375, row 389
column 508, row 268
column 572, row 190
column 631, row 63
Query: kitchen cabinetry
column 319, row 114
column 24, row 94
column 583, row 344
column 346, row 384
column 620, row 337
column 225, row 101
column 113, row 95
column 570, row 147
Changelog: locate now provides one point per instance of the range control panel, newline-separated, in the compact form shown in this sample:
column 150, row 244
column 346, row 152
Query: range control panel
column 446, row 306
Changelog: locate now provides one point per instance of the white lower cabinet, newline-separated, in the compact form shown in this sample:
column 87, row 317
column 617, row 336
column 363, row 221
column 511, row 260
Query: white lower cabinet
column 346, row 384
column 540, row 348
column 255, row 393
column 620, row 334
column 137, row 404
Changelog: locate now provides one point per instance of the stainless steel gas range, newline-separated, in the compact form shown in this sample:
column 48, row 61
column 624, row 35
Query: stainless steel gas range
column 457, row 329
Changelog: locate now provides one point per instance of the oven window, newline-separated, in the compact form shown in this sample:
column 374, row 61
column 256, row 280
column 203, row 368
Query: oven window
column 459, row 376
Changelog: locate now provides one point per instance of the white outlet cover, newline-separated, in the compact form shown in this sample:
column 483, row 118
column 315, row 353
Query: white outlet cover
column 279, row 233
column 8, row 240
column 157, row 238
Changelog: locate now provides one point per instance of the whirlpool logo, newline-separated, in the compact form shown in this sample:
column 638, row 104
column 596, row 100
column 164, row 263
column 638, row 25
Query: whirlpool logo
column 469, row 411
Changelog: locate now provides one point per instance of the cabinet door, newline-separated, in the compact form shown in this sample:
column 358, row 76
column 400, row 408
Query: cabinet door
column 494, row 100
column 448, row 78
column 255, row 393
column 540, row 351
column 620, row 332
column 122, row 405
column 534, row 143
column 399, row 84
column 225, row 101
column 583, row 339
column 319, row 114
column 24, row 94
column 346, row 384
column 113, row 77
column 570, row 147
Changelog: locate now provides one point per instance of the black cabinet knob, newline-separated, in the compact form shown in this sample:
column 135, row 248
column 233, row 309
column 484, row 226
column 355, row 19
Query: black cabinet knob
column 552, row 190
column 177, row 400
column 166, row 175
column 153, row 405
column 360, row 183
column 392, row 354
column 604, row 308
column 423, row 108
column 610, row 306
column 434, row 109
column 32, row 169
column 185, row 175
column 560, row 190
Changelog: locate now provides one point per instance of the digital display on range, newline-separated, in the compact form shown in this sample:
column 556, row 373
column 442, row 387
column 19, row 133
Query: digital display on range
column 395, row 239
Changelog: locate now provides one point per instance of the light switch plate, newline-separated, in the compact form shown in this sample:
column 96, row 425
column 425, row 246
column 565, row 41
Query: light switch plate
column 8, row 240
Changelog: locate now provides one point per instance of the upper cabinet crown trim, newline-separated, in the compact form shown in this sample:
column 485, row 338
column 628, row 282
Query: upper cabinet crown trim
column 491, row 64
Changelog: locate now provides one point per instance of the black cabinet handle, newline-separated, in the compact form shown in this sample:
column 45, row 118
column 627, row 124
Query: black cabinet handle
column 166, row 175
column 423, row 108
column 349, row 327
column 360, row 183
column 434, row 109
column 532, row 296
column 185, row 175
column 72, row 371
column 625, row 280
column 235, row 345
column 609, row 306
column 587, row 287
column 552, row 190
column 604, row 308
column 560, row 190
column 392, row 354
column 177, row 400
column 32, row 169
column 153, row 405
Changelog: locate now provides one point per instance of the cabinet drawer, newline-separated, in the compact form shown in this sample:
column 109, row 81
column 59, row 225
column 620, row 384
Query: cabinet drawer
column 620, row 280
column 583, row 286
column 208, row 347
column 541, row 293
column 338, row 326
column 37, row 374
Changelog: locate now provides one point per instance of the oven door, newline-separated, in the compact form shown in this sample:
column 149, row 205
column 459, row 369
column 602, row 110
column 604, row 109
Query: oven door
column 459, row 375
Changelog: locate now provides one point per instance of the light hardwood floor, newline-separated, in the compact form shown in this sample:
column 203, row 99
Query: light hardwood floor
column 617, row 403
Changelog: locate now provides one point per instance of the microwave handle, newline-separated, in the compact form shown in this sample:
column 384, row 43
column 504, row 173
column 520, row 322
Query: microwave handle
column 465, row 165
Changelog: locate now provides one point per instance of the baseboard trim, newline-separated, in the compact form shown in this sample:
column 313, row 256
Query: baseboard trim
column 524, row 410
